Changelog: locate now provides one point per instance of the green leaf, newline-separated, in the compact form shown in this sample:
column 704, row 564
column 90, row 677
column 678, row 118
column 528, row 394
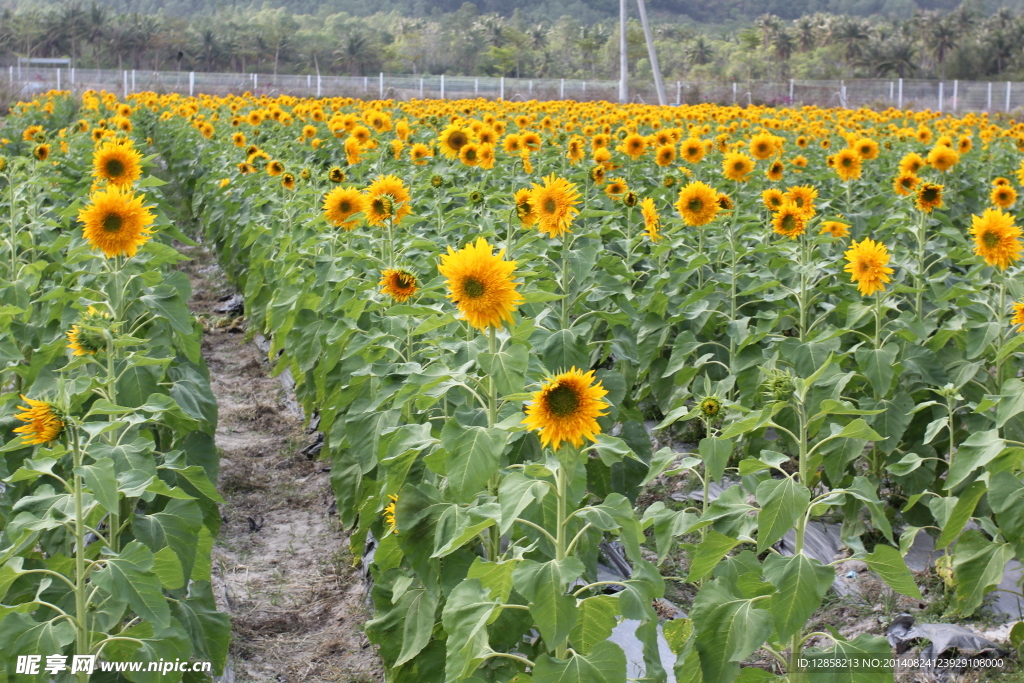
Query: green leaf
column 783, row 502
column 677, row 634
column 209, row 629
column 544, row 585
column 472, row 455
column 23, row 635
column 729, row 629
column 978, row 566
column 606, row 663
column 102, row 482
column 879, row 366
column 859, row 429
column 129, row 575
column 709, row 552
column 421, row 609
column 977, row 450
column 465, row 617
column 961, row 514
column 596, row 619
column 887, row 562
column 507, row 367
column 715, row 453
column 563, row 350
column 166, row 301
column 494, row 576
column 515, row 493
column 456, row 526
column 802, row 583
column 892, row 423
column 612, row 449
column 176, row 526
column 167, row 568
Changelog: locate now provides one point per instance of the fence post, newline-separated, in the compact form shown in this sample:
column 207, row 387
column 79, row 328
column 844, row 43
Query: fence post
column 309, row 81
column 988, row 102
column 941, row 84
column 502, row 96
column 11, row 73
column 955, row 102
column 318, row 88
column 899, row 97
column 191, row 83
column 255, row 81
column 891, row 86
column 58, row 78
column 791, row 81
column 842, row 94
column 584, row 87
column 1007, row 95
column 366, row 84
column 133, row 80
column 734, row 92
column 72, row 77
column 126, row 84
column 531, row 88
column 421, row 88
column 442, row 86
column 679, row 93
column 476, row 87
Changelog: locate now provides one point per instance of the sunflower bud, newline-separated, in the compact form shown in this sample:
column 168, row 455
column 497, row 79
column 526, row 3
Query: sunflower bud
column 476, row 197
column 437, row 181
column 778, row 385
column 670, row 181
column 710, row 407
column 629, row 199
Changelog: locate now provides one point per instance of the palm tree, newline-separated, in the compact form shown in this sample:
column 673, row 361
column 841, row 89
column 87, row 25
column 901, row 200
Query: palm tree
column 356, row 51
column 806, row 33
column 853, row 34
column 943, row 38
column 699, row 52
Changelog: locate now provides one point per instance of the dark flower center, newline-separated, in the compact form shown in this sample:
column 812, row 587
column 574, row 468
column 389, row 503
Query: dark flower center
column 562, row 401
column 473, row 288
column 115, row 168
column 990, row 239
column 550, row 205
column 695, row 204
column 457, row 140
column 112, row 222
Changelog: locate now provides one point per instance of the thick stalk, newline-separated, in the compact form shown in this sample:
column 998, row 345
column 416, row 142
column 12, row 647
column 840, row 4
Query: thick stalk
column 565, row 280
column 560, row 486
column 700, row 252
column 14, row 232
column 919, row 299
column 878, row 321
column 801, row 528
column 81, row 614
column 494, row 535
column 999, row 340
column 803, row 290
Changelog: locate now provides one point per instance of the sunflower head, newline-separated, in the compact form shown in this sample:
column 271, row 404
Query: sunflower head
column 341, row 204
column 336, row 175
column 524, row 207
column 737, row 166
column 476, row 197
column 389, row 513
column 555, row 203
column 847, row 163
column 773, row 198
column 710, row 408
column 387, row 198
column 905, row 183
column 697, row 204
column 777, row 384
column 867, row 265
column 1018, row 315
column 437, row 181
column 1003, row 196
column 43, row 422
column 399, row 284
column 41, row 152
column 116, row 222
column 481, row 284
column 775, row 170
column 929, row 196
column 566, row 409
column 652, row 221
column 669, row 181
column 117, row 163
column 837, row 229
column 630, row 199
column 275, row 168
column 996, row 238
column 89, row 335
column 789, row 220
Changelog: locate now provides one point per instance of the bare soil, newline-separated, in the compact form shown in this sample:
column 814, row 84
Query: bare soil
column 281, row 565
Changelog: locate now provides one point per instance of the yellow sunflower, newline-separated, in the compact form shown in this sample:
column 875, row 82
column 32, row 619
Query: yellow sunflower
column 773, row 198
column 665, row 155
column 116, row 222
column 566, row 409
column 1003, row 196
column 616, row 187
column 943, row 158
column 84, row 338
column 555, row 203
column 929, row 196
column 634, row 145
column 341, row 204
column 389, row 514
column 847, row 164
column 775, row 170
column 275, row 168
column 43, row 423
column 789, row 220
column 1018, row 315
column 904, row 184
column 336, row 175
column 386, row 198
column 762, row 145
column 837, row 229
column 452, row 140
column 117, row 162
column 866, row 148
column 525, row 208
column 692, row 150
column 652, row 222
column 802, row 196
column 419, row 153
column 697, row 204
column 912, row 163
column 41, row 152
column 866, row 264
column 400, row 285
column 996, row 238
column 481, row 284
column 737, row 166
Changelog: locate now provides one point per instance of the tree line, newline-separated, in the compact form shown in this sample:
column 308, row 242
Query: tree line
column 965, row 42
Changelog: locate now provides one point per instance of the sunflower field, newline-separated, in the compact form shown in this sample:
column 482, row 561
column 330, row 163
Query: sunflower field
column 508, row 319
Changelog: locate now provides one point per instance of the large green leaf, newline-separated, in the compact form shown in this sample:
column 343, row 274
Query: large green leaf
column 802, row 583
column 729, row 629
column 506, row 367
column 879, row 366
column 209, row 629
column 472, row 455
column 595, row 620
column 606, row 663
column 421, row 609
column 715, row 453
column 130, row 576
column 465, row 617
column 166, row 302
column 887, row 562
column 713, row 548
column 21, row 634
column 563, row 350
column 978, row 565
column 977, row 450
column 544, row 585
column 515, row 493
column 782, row 503
column 176, row 526
column 100, row 479
column 961, row 514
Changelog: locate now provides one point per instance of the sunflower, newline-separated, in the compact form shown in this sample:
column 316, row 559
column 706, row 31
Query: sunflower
column 566, row 409
column 665, row 155
column 634, row 145
column 737, row 166
column 116, row 222
column 30, row 133
column 288, row 181
column 912, row 163
column 524, row 207
column 469, row 154
column 353, row 150
column 825, row 143
column 341, row 203
column 697, row 204
column 866, row 264
column 616, row 187
column 837, row 229
column 943, row 158
column 802, row 141
column 789, row 220
column 531, row 141
column 847, row 164
column 924, row 135
column 1003, row 196
column 866, row 148
column 773, row 198
column 84, row 338
column 275, row 168
column 418, row 153
column 555, row 203
column 692, row 150
column 775, row 170
column 513, row 143
column 43, row 423
column 576, row 151
column 996, row 238
column 389, row 514
column 762, row 145
column 904, row 184
column 41, row 152
column 239, row 139
column 481, row 284
column 117, row 163
column 724, row 202
column 802, row 196
column 929, row 196
column 336, row 175
column 652, row 222
column 383, row 195
column 1018, row 316
column 398, row 284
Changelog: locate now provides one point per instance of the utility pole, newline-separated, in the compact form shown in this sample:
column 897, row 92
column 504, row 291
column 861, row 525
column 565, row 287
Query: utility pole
column 623, row 57
column 659, row 85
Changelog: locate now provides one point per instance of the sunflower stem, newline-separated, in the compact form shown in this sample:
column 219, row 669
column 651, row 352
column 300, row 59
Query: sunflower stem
column 494, row 533
column 919, row 299
column 1001, row 337
column 803, row 289
column 878, row 321
column 565, row 280
column 82, row 637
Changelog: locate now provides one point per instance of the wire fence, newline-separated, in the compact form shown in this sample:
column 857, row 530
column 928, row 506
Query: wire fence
column 945, row 96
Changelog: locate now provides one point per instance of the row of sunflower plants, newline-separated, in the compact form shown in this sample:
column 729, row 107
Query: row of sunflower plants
column 108, row 509
column 842, row 324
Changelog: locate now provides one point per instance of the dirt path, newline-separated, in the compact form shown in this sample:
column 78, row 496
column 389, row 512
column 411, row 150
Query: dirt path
column 281, row 564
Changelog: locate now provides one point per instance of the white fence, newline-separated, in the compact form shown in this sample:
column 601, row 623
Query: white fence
column 947, row 96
